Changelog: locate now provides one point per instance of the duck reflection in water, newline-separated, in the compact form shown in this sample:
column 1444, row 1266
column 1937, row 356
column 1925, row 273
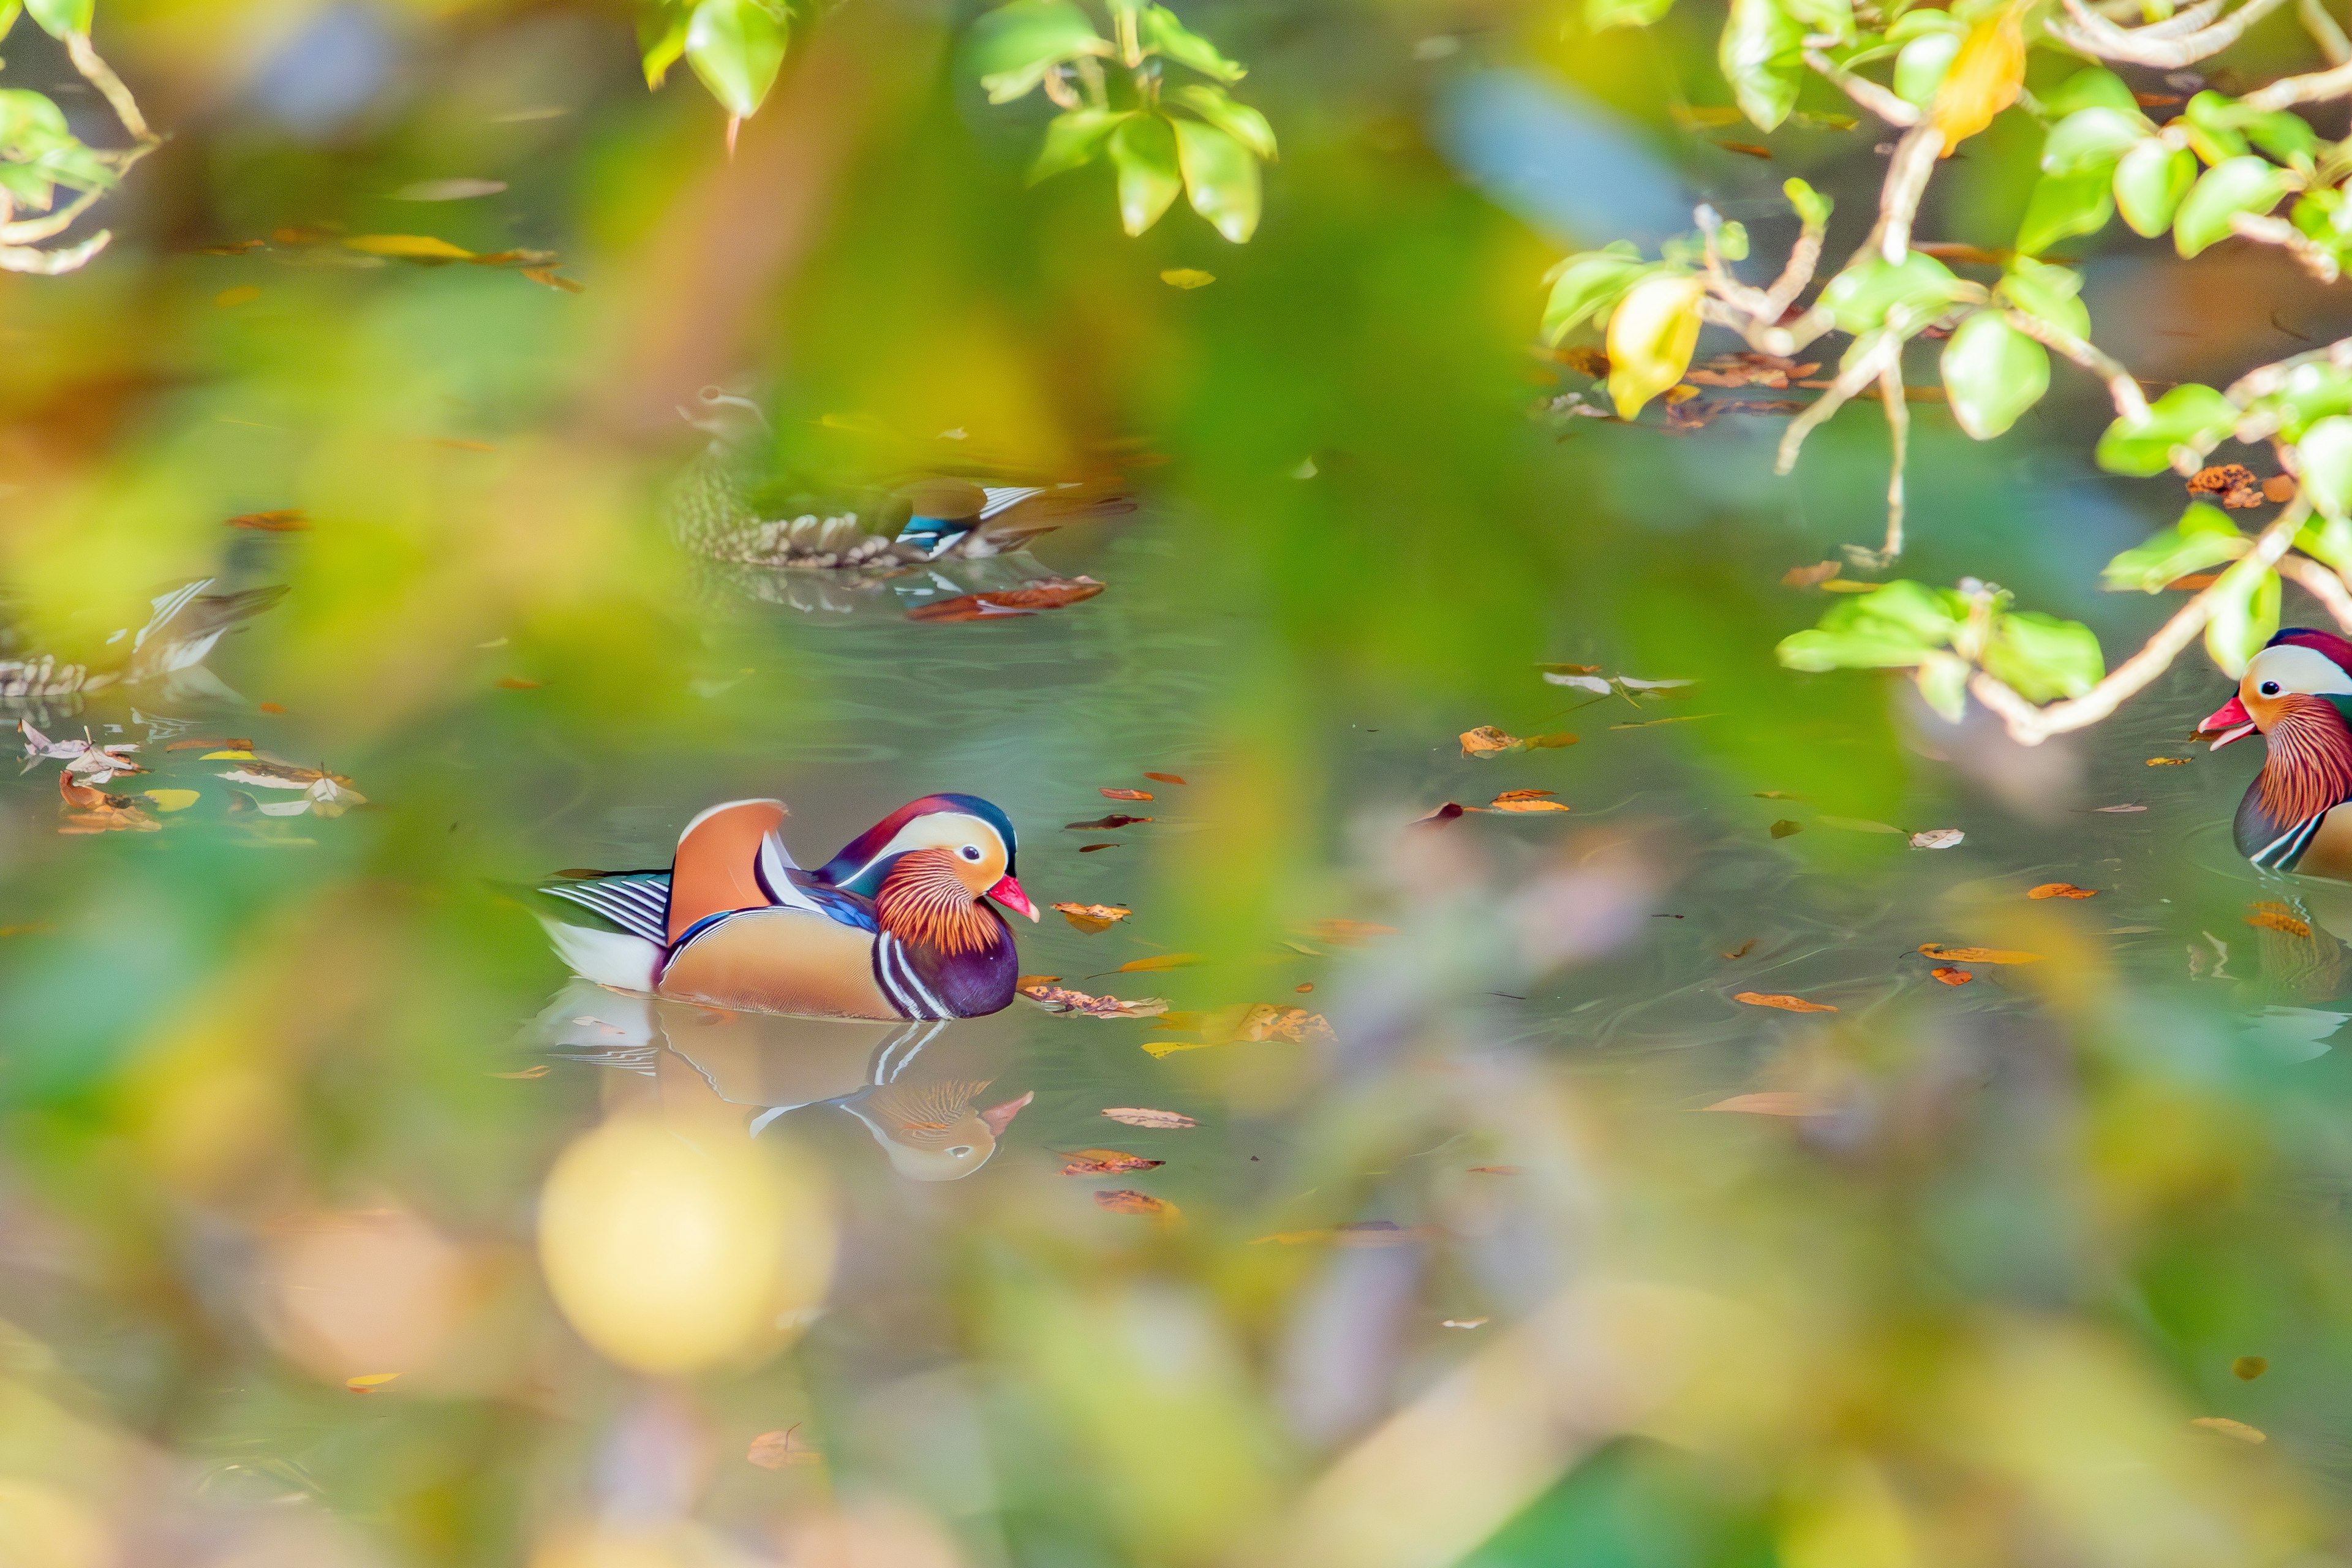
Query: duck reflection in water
column 916, row 1088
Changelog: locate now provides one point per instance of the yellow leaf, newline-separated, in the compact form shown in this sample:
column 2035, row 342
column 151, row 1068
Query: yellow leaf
column 1785, row 1003
column 1652, row 334
column 409, row 247
column 230, row 298
column 2229, row 1428
column 1942, row 954
column 370, row 1383
column 1984, row 77
column 1773, row 1102
column 171, row 799
column 1187, row 277
column 1158, row 960
column 1527, row 800
column 227, row 757
column 1485, row 741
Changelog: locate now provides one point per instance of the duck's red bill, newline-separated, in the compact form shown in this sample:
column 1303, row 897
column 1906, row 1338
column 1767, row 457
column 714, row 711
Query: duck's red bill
column 1008, row 893
column 2231, row 722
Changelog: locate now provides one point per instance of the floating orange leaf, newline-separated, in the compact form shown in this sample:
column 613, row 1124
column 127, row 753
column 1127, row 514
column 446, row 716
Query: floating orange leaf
column 288, row 520
column 1485, row 741
column 2061, row 891
column 1527, row 800
column 1158, row 961
column 1774, row 1103
column 1056, row 999
column 1786, row 1004
column 2280, row 917
column 1091, row 918
column 1126, row 1200
column 1347, row 933
column 1166, row 778
column 1952, row 976
column 1006, row 603
column 1126, row 795
column 1141, row 1116
column 1107, row 1162
column 1942, row 954
column 369, row 1382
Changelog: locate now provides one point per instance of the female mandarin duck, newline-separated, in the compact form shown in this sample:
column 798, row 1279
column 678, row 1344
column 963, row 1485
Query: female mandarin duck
column 2298, row 692
column 896, row 926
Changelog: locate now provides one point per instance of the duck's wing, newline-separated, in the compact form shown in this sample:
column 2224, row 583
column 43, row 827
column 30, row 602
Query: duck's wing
column 608, row 928
column 948, row 515
column 733, row 858
column 187, row 621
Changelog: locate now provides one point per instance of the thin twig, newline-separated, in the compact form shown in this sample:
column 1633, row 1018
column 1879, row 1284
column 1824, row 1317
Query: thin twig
column 2322, row 583
column 2288, row 92
column 2030, row 726
column 2315, row 259
column 101, row 75
column 50, row 263
column 1865, row 368
column 2095, row 35
column 1879, row 101
column 2324, row 31
column 2131, row 403
column 1906, row 181
column 1741, row 296
column 1898, row 432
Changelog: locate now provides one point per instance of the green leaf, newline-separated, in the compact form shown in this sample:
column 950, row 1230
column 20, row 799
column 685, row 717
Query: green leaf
column 1238, row 121
column 1864, row 297
column 2245, row 615
column 1920, row 69
column 2089, row 141
column 2287, row 137
column 1894, row 627
column 2061, row 207
column 1652, row 334
column 736, row 47
column 2094, row 87
column 2042, row 657
column 661, row 39
column 2328, row 538
column 1143, row 151
column 2150, row 182
column 1015, row 46
column 2310, row 391
column 1993, row 374
column 9, row 10
column 2047, row 292
column 1943, row 682
column 2189, row 416
column 1761, row 54
column 1074, row 138
column 1602, row 14
column 1590, row 284
column 1221, row 176
column 1812, row 207
column 1833, row 19
column 1163, row 34
column 2235, row 186
column 2203, row 537
column 2325, row 454
column 61, row 18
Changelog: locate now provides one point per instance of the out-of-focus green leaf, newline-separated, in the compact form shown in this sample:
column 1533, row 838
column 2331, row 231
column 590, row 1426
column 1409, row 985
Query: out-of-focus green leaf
column 1601, row 14
column 2189, row 416
column 1833, row 18
column 1812, row 206
column 1143, row 150
column 34, row 139
column 2328, row 538
column 1920, row 69
column 2245, row 615
column 1238, row 121
column 2247, row 185
column 61, row 18
column 2047, row 292
column 1993, row 374
column 1731, row 242
column 1652, row 334
column 1761, row 53
column 1222, row 178
column 1163, row 34
column 2310, row 391
column 661, row 39
column 736, row 47
column 1073, row 137
column 2150, row 182
column 2203, row 537
column 1916, row 288
column 2094, row 87
column 2043, row 658
column 1015, row 46
column 2089, row 141
column 1590, row 284
column 2325, row 455
column 9, row 11
column 1894, row 627
column 2061, row 207
column 1943, row 682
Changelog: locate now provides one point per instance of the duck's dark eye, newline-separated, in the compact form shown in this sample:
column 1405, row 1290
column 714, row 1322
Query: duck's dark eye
column 2270, row 689
column 972, row 851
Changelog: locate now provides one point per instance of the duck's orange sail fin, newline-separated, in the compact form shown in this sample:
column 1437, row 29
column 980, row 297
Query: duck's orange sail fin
column 717, row 865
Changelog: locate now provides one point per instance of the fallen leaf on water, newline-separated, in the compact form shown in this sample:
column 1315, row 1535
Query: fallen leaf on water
column 2061, row 891
column 2247, row 1368
column 1463, row 1323
column 1126, row 793
column 1055, row 999
column 1672, row 719
column 1347, row 933
column 1102, row 823
column 1002, row 604
column 171, row 799
column 1250, row 1022
column 1749, row 148
column 1485, row 741
column 1786, row 1004
column 1743, row 950
column 518, row 683
column 267, row 775
column 2167, row 762
column 1302, row 989
column 1187, row 277
column 1942, row 954
column 452, row 190
column 1778, row 794
column 1527, row 800
column 1126, row 1200
column 2118, row 808
column 2279, row 917
column 2223, row 1426
column 1093, row 917
column 203, row 743
column 1166, row 778
column 1090, row 849
column 407, row 246
column 550, row 277
column 1860, row 825
column 288, row 520
column 1494, row 1170
column 1444, row 814
column 775, row 1450
column 1549, row 743
column 1140, row 1116
column 1785, row 828
column 1950, row 976
column 1107, row 1162
column 1024, row 983
column 1774, row 1103
column 1570, row 668
column 1809, row 576
column 1937, row 839
column 370, row 1382
column 1158, row 961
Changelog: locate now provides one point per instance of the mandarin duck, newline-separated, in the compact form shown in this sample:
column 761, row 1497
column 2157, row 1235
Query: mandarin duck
column 896, row 926
column 2298, row 692
column 882, row 531
column 183, row 625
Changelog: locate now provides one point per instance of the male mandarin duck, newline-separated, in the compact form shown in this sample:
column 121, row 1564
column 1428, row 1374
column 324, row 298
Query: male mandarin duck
column 896, row 926
column 2298, row 692
column 885, row 529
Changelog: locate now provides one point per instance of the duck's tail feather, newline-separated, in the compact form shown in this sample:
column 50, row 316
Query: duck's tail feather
column 635, row 902
column 186, row 622
column 1021, row 511
column 608, row 928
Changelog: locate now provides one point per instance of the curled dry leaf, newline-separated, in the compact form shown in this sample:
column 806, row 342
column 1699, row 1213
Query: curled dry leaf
column 1126, row 793
column 1166, row 778
column 2221, row 1426
column 1937, row 839
column 1524, row 800
column 1107, row 1162
column 2232, row 484
column 1774, row 1103
column 1786, row 1004
column 2061, row 891
column 2279, row 917
column 1943, row 954
column 1487, row 741
column 1809, row 576
column 2167, row 762
column 1952, row 976
column 289, row 519
column 1091, row 918
column 776, row 1450
column 1142, row 1116
column 1451, row 811
column 1055, row 999
column 1127, row 1200
column 1003, row 603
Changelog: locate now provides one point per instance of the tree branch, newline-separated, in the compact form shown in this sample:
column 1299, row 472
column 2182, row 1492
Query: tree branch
column 1879, row 101
column 2323, row 583
column 2324, row 31
column 1906, row 181
column 2095, row 35
column 2130, row 401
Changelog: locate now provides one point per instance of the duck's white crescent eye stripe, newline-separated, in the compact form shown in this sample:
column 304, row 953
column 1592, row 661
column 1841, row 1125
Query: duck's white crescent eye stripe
column 2305, row 669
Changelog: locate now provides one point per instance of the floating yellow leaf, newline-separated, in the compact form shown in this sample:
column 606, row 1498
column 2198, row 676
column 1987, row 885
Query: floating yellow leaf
column 2226, row 1428
column 370, row 1382
column 2061, row 891
column 1187, row 277
column 1786, row 1004
column 407, row 246
column 1092, row 918
column 1158, row 961
column 1942, row 954
column 1527, row 800
column 1773, row 1102
column 171, row 799
column 2167, row 762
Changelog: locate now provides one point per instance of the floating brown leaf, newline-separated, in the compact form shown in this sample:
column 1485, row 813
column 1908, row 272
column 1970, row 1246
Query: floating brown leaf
column 289, row 520
column 1746, row 369
column 1126, row 1200
column 1107, row 1162
column 2232, row 484
column 1785, row 828
column 1093, row 917
column 550, row 277
column 1527, row 800
column 1090, row 849
column 2061, row 891
column 775, row 1450
column 1750, row 149
column 1138, row 1116
column 2221, row 1426
column 1056, row 999
column 1103, row 824
column 2167, row 762
column 1449, row 812
column 1773, row 1102
column 1809, row 576
column 1002, row 604
column 1166, row 778
column 1786, row 1004
column 1952, row 976
column 2279, row 917
column 1942, row 954
column 1743, row 950
column 201, row 744
column 1485, row 741
column 1126, row 793
column 1347, row 933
